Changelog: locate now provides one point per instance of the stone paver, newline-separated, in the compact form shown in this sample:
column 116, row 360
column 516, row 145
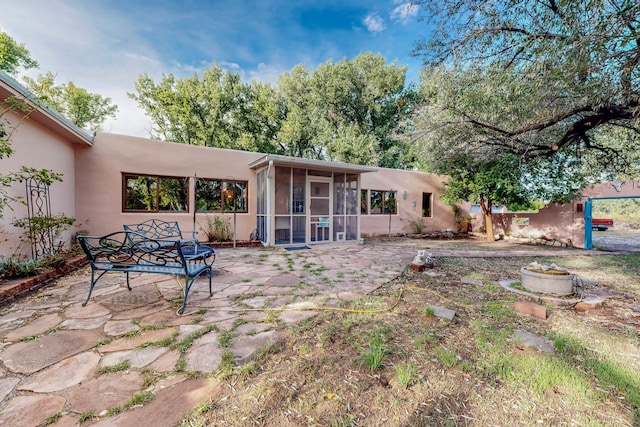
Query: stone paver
column 105, row 392
column 531, row 340
column 32, row 356
column 51, row 347
column 136, row 358
column 168, row 406
column 64, row 374
column 246, row 347
column 19, row 412
column 6, row 386
column 34, row 328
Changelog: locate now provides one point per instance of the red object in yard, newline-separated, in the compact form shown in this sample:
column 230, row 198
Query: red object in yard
column 601, row 224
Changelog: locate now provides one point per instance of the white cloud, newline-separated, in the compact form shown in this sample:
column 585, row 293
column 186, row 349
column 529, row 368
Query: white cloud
column 267, row 73
column 404, row 11
column 374, row 23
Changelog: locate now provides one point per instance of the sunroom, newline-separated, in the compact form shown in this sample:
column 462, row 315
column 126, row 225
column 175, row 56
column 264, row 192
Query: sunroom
column 303, row 201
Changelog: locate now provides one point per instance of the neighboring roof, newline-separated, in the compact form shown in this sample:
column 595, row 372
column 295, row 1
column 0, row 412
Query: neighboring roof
column 310, row 164
column 43, row 114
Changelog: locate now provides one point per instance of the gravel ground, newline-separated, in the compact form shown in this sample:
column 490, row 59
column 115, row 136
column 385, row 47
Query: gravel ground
column 616, row 239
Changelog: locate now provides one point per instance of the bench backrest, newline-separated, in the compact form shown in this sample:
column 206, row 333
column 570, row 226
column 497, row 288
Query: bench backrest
column 156, row 229
column 122, row 247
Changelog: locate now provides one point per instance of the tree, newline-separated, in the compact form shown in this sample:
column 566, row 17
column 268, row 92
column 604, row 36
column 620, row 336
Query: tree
column 14, row 56
column 297, row 135
column 489, row 182
column 214, row 110
column 577, row 63
column 346, row 111
column 482, row 167
column 83, row 109
column 358, row 105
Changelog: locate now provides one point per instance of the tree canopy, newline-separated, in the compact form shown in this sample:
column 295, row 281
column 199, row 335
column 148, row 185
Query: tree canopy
column 567, row 73
column 214, row 110
column 83, row 109
column 13, row 55
column 343, row 111
column 528, row 100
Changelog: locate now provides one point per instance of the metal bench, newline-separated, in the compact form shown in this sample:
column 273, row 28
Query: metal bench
column 170, row 230
column 129, row 252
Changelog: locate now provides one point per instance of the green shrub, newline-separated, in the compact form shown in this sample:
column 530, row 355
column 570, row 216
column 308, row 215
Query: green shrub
column 16, row 266
column 417, row 225
column 217, row 229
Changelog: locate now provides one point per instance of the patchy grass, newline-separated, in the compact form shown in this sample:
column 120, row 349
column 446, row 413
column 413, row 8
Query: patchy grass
column 365, row 365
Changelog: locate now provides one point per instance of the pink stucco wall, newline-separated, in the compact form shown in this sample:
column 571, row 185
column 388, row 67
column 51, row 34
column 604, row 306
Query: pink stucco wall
column 555, row 222
column 99, row 185
column 564, row 222
column 409, row 208
column 35, row 145
column 99, row 172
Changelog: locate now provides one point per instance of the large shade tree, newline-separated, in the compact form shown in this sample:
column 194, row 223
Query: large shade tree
column 84, row 109
column 14, row 56
column 554, row 83
column 359, row 105
column 215, row 109
column 344, row 111
column 481, row 169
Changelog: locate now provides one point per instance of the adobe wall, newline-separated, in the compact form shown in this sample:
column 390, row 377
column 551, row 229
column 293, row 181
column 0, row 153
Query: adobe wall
column 409, row 207
column 99, row 183
column 559, row 223
column 38, row 147
column 564, row 223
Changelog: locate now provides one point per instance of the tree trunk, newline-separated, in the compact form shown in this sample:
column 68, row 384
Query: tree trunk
column 488, row 225
column 486, row 206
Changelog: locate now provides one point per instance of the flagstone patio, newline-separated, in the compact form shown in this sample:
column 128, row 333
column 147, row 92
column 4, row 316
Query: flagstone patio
column 75, row 362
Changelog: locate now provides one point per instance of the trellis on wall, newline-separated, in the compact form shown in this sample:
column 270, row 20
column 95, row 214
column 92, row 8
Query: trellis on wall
column 41, row 237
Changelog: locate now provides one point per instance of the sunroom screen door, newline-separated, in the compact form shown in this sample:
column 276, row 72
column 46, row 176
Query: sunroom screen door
column 320, row 202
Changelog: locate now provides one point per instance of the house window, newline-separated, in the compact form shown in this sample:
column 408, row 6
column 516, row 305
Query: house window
column 382, row 202
column 213, row 195
column 364, row 208
column 150, row 193
column 426, row 204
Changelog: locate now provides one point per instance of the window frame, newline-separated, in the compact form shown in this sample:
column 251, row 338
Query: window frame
column 430, row 213
column 385, row 201
column 224, row 185
column 126, row 176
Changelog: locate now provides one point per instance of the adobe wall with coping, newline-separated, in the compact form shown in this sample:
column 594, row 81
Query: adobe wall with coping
column 562, row 222
column 100, row 168
column 100, row 172
column 39, row 147
column 409, row 207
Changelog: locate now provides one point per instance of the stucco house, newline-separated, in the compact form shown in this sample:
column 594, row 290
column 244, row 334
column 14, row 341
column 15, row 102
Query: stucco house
column 110, row 180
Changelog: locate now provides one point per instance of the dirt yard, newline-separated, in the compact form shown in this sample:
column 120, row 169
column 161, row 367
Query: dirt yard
column 386, row 360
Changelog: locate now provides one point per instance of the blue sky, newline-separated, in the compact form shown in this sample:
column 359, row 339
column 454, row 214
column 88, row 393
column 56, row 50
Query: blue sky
column 103, row 46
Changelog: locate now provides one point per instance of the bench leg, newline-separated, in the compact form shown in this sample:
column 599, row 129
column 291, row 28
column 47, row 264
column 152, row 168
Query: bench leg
column 93, row 283
column 187, row 286
column 188, row 282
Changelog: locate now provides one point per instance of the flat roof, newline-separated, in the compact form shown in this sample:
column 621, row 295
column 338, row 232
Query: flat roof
column 299, row 162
